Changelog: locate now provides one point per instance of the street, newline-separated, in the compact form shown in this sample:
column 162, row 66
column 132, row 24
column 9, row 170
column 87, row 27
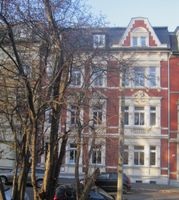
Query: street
column 152, row 192
column 144, row 192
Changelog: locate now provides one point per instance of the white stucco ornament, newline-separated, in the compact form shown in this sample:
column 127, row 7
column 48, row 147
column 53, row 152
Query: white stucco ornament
column 141, row 97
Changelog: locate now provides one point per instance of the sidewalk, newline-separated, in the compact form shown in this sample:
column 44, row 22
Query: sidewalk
column 154, row 188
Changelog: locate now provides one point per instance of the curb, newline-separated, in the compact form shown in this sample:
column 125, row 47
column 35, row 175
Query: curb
column 155, row 190
column 169, row 191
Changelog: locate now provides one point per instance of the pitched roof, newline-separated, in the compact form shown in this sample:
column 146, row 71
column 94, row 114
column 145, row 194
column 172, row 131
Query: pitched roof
column 163, row 35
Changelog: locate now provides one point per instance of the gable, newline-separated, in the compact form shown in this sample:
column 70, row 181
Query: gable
column 140, row 27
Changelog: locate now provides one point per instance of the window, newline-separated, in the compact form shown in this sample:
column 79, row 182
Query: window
column 143, row 41
column 99, row 41
column 138, row 155
column 126, row 155
column 48, row 116
column 139, row 37
column 152, row 77
column 139, row 116
column 134, row 41
column 49, row 71
column 125, row 79
column 27, row 70
column 97, row 114
column 152, row 155
column 73, row 114
column 152, row 116
column 96, row 155
column 139, row 41
column 139, row 76
column 76, row 77
column 98, row 77
column 72, row 153
column 126, row 115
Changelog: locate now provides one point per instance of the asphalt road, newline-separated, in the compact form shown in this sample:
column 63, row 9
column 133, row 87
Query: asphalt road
column 152, row 192
column 142, row 192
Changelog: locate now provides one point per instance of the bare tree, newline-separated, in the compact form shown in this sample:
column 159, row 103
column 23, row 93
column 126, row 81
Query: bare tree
column 35, row 38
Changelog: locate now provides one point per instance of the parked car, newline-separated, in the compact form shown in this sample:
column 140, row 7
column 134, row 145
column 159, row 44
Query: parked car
column 108, row 182
column 8, row 193
column 7, row 177
column 67, row 192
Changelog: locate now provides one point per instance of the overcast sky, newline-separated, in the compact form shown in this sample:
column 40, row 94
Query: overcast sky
column 120, row 12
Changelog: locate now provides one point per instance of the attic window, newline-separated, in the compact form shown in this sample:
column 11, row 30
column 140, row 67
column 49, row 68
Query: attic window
column 139, row 37
column 99, row 41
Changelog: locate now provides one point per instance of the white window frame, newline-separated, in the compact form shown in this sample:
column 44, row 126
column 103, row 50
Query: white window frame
column 97, row 151
column 94, row 102
column 69, row 114
column 97, row 112
column 98, row 76
column 134, row 41
column 139, row 153
column 140, row 112
column 99, row 40
column 143, row 41
column 126, row 114
column 74, row 151
column 98, row 142
column 73, row 114
column 27, row 70
column 139, row 77
column 136, row 37
column 153, row 112
column 147, row 112
column 126, row 154
column 134, row 79
column 153, row 151
column 151, row 76
column 76, row 76
column 49, row 70
column 48, row 116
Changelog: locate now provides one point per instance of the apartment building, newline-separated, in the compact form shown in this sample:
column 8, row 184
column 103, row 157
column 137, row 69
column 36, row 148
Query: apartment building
column 149, row 90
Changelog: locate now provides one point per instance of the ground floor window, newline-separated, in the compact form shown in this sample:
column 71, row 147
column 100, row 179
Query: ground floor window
column 138, row 155
column 72, row 153
column 97, row 155
column 152, row 155
column 126, row 155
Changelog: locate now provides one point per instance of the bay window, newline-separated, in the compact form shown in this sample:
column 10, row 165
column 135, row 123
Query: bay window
column 139, row 76
column 139, row 116
column 152, row 115
column 152, row 77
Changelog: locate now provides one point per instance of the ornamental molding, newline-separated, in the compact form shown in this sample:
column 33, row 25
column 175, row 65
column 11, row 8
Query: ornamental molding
column 141, row 97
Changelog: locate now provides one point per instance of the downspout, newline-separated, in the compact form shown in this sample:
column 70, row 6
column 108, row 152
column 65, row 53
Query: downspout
column 169, row 55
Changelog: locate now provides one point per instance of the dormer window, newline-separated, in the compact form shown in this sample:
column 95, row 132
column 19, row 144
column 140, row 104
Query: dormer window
column 134, row 41
column 99, row 41
column 139, row 37
column 143, row 41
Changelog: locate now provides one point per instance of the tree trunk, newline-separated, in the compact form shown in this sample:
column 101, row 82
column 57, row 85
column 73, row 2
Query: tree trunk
column 91, row 180
column 121, row 144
